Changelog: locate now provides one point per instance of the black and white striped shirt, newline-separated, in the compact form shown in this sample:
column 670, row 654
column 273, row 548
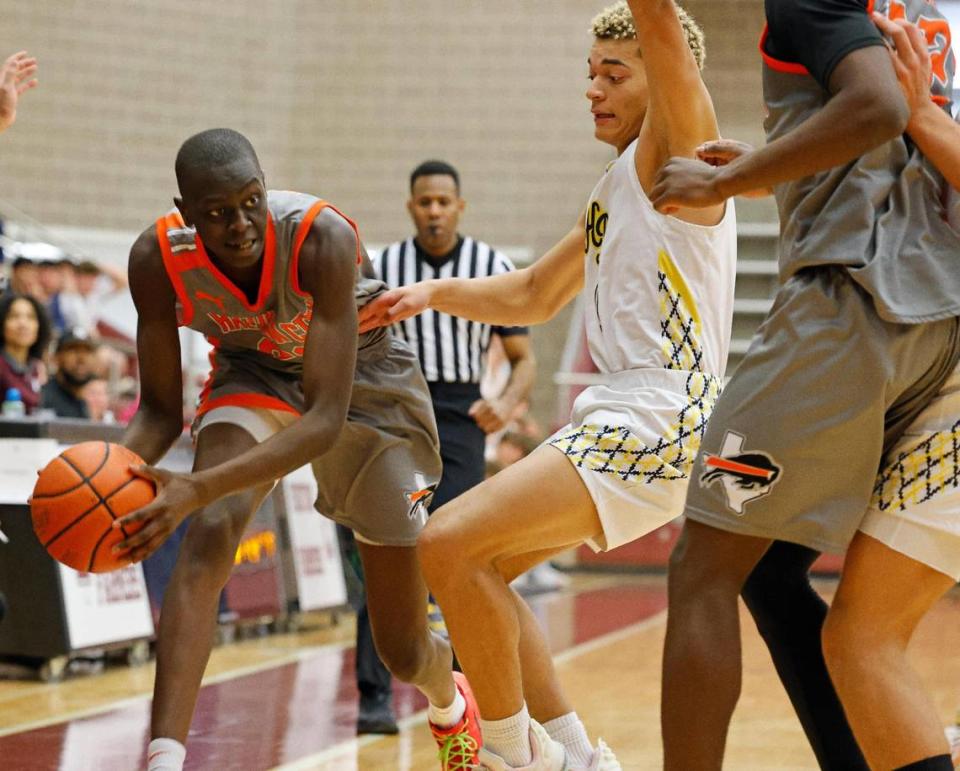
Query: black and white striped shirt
column 450, row 349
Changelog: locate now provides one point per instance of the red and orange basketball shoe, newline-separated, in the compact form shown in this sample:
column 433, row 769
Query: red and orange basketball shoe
column 460, row 743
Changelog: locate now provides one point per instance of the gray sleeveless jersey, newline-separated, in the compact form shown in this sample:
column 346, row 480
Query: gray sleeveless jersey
column 881, row 215
column 261, row 340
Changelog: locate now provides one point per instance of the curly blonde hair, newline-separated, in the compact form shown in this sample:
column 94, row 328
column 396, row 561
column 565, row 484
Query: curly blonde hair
column 616, row 23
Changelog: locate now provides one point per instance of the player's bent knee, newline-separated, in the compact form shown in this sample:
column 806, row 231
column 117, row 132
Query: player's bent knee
column 846, row 647
column 683, row 573
column 437, row 548
column 211, row 542
column 406, row 660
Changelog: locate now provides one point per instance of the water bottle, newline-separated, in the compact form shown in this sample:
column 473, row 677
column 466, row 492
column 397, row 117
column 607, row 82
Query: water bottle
column 13, row 406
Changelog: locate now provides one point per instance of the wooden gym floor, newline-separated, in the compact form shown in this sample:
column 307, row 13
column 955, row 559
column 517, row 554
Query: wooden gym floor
column 289, row 702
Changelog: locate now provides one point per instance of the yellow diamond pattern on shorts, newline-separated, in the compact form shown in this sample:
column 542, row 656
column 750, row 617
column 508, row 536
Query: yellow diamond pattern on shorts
column 918, row 474
column 616, row 450
column 679, row 319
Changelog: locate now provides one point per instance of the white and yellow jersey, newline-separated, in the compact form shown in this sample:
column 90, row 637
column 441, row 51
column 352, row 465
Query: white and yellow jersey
column 660, row 289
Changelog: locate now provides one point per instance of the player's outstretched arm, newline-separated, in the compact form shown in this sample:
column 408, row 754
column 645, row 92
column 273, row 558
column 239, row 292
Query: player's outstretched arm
column 531, row 295
column 159, row 419
column 866, row 109
column 935, row 132
column 680, row 115
column 16, row 78
column 720, row 152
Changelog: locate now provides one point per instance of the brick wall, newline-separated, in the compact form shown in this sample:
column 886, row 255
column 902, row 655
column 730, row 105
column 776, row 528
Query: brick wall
column 341, row 98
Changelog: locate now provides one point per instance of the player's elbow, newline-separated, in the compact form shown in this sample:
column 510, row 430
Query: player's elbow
column 881, row 116
column 541, row 301
column 321, row 430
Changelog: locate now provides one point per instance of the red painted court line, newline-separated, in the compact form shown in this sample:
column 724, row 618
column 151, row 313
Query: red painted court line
column 283, row 714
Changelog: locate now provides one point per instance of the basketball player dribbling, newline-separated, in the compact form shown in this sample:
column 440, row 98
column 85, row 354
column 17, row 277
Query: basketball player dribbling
column 853, row 365
column 660, row 298
column 274, row 280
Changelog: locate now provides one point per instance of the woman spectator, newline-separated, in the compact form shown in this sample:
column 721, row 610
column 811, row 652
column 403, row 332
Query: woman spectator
column 25, row 330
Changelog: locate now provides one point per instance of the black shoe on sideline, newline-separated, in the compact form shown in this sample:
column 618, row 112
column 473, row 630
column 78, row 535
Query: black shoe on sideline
column 376, row 714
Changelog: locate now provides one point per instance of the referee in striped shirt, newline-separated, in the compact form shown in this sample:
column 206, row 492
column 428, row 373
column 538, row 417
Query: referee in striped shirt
column 452, row 352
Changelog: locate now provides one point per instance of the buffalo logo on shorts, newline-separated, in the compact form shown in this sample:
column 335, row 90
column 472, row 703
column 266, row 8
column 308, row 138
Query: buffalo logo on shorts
column 420, row 498
column 744, row 476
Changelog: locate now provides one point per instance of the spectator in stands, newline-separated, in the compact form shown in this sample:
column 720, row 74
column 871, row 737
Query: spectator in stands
column 75, row 360
column 96, row 394
column 26, row 333
column 16, row 78
column 87, row 286
column 54, row 278
column 25, row 277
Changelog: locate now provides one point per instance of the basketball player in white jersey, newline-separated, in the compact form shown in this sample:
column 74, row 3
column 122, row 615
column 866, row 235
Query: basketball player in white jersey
column 660, row 294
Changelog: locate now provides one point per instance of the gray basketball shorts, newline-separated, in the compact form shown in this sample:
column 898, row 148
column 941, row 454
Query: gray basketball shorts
column 797, row 437
column 379, row 476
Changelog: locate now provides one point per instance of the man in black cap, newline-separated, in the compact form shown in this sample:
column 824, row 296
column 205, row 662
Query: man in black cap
column 75, row 359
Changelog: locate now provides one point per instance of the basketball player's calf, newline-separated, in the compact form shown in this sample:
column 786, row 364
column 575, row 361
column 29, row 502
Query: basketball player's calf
column 708, row 569
column 189, row 614
column 469, row 551
column 396, row 600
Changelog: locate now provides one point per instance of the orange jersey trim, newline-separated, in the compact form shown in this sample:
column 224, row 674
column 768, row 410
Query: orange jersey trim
column 252, row 400
column 212, row 358
column 174, row 265
column 303, row 230
column 775, row 64
column 793, row 68
column 266, row 270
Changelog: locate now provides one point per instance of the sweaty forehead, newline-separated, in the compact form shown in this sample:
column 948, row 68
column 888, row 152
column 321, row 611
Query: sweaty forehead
column 220, row 181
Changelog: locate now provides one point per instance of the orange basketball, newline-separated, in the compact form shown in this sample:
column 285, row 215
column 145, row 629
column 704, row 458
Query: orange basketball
column 76, row 499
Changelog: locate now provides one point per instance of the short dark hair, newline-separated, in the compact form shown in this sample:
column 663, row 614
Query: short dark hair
column 44, row 328
column 210, row 148
column 429, row 168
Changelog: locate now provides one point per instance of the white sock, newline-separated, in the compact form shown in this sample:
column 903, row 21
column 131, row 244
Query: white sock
column 569, row 731
column 446, row 717
column 165, row 755
column 509, row 738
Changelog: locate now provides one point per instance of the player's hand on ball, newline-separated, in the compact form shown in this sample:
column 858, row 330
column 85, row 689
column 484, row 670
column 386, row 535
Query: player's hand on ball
column 393, row 306
column 684, row 182
column 490, row 415
column 177, row 497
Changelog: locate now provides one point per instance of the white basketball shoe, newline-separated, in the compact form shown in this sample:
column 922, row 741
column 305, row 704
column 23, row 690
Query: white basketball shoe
column 548, row 755
column 603, row 760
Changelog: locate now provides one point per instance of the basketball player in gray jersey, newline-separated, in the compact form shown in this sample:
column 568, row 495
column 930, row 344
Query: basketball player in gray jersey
column 861, row 338
column 274, row 281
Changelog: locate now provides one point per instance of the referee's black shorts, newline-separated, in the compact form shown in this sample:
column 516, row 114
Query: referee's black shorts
column 462, row 441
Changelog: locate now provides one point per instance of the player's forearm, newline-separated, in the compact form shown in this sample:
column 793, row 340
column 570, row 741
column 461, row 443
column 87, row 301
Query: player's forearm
column 938, row 138
column 505, row 300
column 150, row 434
column 648, row 15
column 294, row 446
column 846, row 128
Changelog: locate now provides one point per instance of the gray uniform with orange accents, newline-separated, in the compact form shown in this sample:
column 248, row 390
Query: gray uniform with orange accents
column 863, row 332
column 372, row 479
